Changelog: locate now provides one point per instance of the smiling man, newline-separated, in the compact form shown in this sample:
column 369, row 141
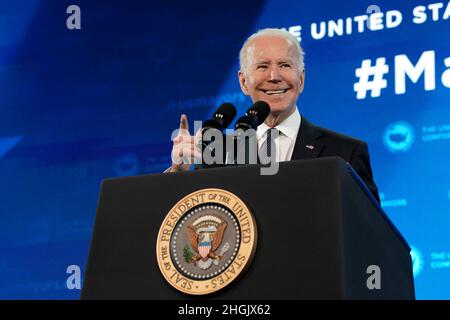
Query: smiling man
column 272, row 69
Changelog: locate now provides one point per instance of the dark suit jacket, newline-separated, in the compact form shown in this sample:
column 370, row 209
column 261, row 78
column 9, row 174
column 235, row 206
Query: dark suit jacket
column 316, row 142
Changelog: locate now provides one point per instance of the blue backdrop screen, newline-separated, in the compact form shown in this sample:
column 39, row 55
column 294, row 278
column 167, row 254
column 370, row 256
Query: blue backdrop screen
column 80, row 105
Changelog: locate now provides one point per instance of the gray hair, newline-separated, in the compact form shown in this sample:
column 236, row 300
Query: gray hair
column 272, row 32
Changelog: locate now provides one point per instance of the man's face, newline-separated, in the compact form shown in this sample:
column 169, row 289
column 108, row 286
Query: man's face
column 272, row 74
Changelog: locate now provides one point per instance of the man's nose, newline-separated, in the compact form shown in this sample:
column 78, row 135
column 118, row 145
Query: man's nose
column 274, row 75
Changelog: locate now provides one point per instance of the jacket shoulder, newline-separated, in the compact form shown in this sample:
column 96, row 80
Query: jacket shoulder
column 339, row 138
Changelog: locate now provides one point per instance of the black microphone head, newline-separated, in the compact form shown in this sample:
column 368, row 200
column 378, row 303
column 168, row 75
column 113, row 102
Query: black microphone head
column 259, row 111
column 225, row 114
column 221, row 119
column 254, row 116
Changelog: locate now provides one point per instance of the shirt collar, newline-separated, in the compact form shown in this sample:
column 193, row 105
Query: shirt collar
column 288, row 126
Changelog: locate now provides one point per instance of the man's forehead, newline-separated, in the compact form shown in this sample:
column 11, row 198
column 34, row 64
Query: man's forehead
column 270, row 48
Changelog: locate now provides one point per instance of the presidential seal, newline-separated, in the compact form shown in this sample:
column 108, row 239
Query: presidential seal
column 206, row 241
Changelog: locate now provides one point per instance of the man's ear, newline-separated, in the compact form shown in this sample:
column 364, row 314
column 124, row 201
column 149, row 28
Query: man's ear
column 302, row 80
column 242, row 82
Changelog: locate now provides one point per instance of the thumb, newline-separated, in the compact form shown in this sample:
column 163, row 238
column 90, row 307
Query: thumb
column 198, row 134
column 198, row 138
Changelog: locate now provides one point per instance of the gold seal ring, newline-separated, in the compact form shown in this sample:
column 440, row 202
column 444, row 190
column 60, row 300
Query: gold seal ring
column 206, row 241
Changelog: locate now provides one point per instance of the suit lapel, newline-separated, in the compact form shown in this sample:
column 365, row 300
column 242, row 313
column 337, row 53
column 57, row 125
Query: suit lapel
column 307, row 145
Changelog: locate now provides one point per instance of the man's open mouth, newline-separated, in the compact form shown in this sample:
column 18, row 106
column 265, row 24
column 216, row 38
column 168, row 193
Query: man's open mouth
column 274, row 92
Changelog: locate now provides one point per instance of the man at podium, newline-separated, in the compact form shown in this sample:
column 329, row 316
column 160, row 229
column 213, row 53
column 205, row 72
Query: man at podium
column 272, row 69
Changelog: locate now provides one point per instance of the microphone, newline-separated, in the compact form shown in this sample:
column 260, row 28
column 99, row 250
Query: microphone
column 221, row 119
column 254, row 116
column 245, row 151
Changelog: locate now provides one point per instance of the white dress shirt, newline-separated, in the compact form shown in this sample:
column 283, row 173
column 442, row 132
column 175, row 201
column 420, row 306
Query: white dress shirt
column 285, row 142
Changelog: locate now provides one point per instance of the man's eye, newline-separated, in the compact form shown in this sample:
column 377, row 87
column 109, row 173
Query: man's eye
column 261, row 67
column 285, row 65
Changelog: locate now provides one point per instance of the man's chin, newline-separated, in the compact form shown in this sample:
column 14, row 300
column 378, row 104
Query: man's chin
column 277, row 105
column 278, row 108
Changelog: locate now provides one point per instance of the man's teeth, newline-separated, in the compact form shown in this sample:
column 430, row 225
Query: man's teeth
column 275, row 91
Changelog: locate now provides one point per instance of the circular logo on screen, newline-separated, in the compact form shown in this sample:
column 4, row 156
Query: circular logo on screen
column 417, row 261
column 398, row 137
column 206, row 241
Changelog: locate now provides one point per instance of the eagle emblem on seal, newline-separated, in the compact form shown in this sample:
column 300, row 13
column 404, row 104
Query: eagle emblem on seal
column 205, row 236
